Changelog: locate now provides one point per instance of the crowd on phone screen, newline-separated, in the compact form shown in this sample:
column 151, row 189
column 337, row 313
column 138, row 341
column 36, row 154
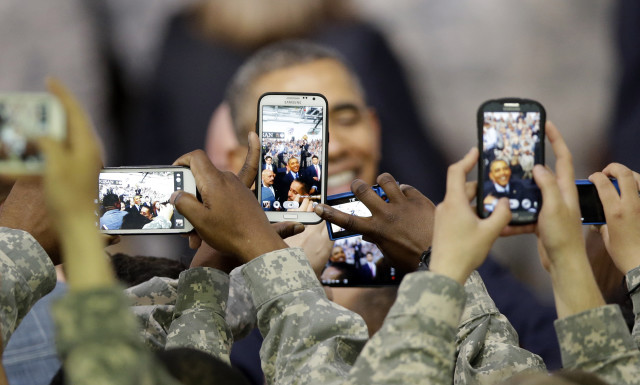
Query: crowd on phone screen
column 512, row 137
column 132, row 207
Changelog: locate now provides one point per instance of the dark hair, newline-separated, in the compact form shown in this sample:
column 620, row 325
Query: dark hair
column 276, row 56
column 314, row 156
column 191, row 366
column 133, row 270
column 268, row 157
column 110, row 200
column 304, row 184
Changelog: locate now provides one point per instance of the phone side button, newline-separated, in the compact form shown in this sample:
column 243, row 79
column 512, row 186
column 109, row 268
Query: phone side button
column 290, row 216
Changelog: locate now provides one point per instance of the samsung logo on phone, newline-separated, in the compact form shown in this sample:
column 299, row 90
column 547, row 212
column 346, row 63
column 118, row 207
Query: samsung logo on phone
column 292, row 102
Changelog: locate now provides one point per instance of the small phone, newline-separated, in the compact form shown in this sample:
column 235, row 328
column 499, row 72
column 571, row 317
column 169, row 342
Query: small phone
column 354, row 262
column 293, row 133
column 25, row 117
column 135, row 200
column 511, row 142
column 591, row 210
column 348, row 203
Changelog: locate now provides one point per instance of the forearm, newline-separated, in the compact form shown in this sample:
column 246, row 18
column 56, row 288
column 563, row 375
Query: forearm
column 199, row 313
column 27, row 275
column 574, row 287
column 86, row 266
column 416, row 343
column 307, row 338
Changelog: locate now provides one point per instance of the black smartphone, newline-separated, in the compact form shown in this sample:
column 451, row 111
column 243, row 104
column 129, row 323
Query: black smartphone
column 135, row 200
column 511, row 142
column 591, row 210
column 293, row 132
column 354, row 262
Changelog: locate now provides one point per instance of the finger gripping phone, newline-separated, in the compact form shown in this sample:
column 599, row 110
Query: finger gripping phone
column 354, row 262
column 511, row 142
column 25, row 117
column 135, row 200
column 293, row 133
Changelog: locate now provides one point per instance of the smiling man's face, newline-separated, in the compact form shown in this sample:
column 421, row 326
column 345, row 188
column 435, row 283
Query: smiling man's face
column 500, row 172
column 354, row 147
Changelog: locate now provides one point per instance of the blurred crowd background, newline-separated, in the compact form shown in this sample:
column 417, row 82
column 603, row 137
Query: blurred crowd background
column 151, row 72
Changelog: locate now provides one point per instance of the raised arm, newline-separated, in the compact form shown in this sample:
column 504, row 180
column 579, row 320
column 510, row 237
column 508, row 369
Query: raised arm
column 97, row 335
column 593, row 337
column 286, row 292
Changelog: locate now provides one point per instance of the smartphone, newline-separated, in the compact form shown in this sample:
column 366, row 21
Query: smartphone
column 293, row 132
column 135, row 200
column 511, row 142
column 348, row 203
column 354, row 262
column 25, row 117
column 591, row 210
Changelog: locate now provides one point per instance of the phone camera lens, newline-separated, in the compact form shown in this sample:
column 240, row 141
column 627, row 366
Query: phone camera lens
column 314, row 98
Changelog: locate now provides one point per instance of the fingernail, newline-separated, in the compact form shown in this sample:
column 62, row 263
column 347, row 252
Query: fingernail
column 298, row 228
column 175, row 197
column 319, row 210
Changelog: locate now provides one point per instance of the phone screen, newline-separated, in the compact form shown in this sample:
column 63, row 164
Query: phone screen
column 354, row 262
column 292, row 161
column 511, row 144
column 139, row 201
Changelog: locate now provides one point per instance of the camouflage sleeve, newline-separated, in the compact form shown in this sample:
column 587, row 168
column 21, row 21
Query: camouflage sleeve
column 307, row 338
column 241, row 314
column 633, row 285
column 487, row 344
column 199, row 313
column 598, row 341
column 98, row 340
column 416, row 344
column 26, row 275
column 153, row 304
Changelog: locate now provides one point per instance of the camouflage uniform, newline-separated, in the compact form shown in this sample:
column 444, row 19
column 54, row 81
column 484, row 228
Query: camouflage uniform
column 416, row 342
column 633, row 285
column 98, row 339
column 26, row 275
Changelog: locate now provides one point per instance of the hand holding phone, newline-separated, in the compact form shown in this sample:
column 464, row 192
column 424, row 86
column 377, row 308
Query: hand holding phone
column 401, row 228
column 621, row 206
column 511, row 142
column 293, row 139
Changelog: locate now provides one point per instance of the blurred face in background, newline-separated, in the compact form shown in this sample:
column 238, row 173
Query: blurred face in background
column 354, row 148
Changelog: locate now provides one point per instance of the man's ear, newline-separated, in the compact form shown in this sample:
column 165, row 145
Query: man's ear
column 221, row 141
column 236, row 157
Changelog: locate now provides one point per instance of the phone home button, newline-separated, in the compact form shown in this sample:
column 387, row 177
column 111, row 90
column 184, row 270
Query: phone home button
column 290, row 216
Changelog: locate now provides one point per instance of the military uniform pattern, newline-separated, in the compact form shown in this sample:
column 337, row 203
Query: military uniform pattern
column 598, row 341
column 633, row 285
column 416, row 344
column 98, row 340
column 307, row 338
column 198, row 320
column 26, row 275
column 487, row 345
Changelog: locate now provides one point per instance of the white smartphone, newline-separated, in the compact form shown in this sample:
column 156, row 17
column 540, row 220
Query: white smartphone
column 24, row 117
column 293, row 132
column 135, row 200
